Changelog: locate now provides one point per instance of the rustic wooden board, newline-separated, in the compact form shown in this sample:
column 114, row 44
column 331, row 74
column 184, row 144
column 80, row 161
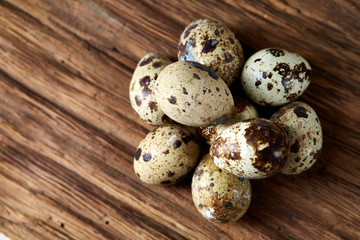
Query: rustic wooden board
column 68, row 133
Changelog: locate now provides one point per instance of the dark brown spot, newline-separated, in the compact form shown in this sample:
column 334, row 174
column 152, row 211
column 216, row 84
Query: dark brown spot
column 170, row 174
column 172, row 100
column 204, row 68
column 146, row 92
column 295, row 147
column 217, row 89
column 270, row 86
column 186, row 52
column 297, row 159
column 147, row 61
column 231, row 41
column 256, row 60
column 200, row 205
column 145, row 81
column 276, row 52
column 292, row 97
column 217, row 33
column 157, row 64
column 271, row 158
column 138, row 175
column 165, row 182
column 228, row 205
column 314, row 141
column 211, row 184
column 300, row 112
column 138, row 100
column 209, row 45
column 257, row 83
column 152, row 106
column 147, row 157
column 188, row 30
column 138, row 153
column 289, row 75
column 196, row 76
column 228, row 57
column 200, row 173
column 166, row 152
column 177, row 143
column 187, row 139
column 155, row 76
column 184, row 91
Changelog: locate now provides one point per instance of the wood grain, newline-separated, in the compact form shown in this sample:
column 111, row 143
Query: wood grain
column 68, row 133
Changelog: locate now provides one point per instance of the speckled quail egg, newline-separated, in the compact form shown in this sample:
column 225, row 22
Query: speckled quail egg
column 219, row 196
column 142, row 97
column 193, row 95
column 213, row 45
column 243, row 110
column 166, row 155
column 255, row 148
column 274, row 77
column 305, row 136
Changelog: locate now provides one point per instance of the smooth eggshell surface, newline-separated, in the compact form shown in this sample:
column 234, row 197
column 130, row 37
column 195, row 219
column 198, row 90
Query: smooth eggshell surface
column 255, row 148
column 166, row 155
column 142, row 97
column 219, row 196
column 305, row 136
column 274, row 77
column 243, row 110
column 213, row 45
column 193, row 95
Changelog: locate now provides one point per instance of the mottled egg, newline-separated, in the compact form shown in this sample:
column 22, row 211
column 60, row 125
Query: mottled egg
column 193, row 95
column 142, row 97
column 166, row 155
column 274, row 77
column 219, row 196
column 213, row 45
column 243, row 110
column 305, row 136
column 255, row 148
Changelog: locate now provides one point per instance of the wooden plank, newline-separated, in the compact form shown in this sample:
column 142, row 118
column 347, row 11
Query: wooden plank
column 68, row 133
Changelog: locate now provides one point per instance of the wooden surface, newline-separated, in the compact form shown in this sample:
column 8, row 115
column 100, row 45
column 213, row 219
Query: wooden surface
column 68, row 133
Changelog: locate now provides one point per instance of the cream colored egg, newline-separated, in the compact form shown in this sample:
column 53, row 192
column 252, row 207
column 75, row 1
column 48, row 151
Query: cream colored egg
column 219, row 196
column 193, row 95
column 142, row 97
column 243, row 110
column 305, row 136
column 274, row 77
column 166, row 155
column 213, row 45
column 255, row 148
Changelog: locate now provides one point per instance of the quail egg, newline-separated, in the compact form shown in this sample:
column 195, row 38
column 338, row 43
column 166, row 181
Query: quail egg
column 219, row 196
column 193, row 95
column 142, row 97
column 166, row 155
column 274, row 77
column 213, row 45
column 305, row 136
column 255, row 148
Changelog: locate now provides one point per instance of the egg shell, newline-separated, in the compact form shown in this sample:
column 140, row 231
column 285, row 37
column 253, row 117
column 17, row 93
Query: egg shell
column 305, row 136
column 219, row 196
column 274, row 77
column 166, row 155
column 214, row 45
column 255, row 148
column 243, row 110
column 193, row 95
column 142, row 97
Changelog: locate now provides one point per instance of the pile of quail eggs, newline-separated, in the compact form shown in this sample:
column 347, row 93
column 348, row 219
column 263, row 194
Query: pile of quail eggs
column 190, row 101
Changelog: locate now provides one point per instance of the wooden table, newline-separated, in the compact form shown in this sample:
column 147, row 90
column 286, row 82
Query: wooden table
column 68, row 133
